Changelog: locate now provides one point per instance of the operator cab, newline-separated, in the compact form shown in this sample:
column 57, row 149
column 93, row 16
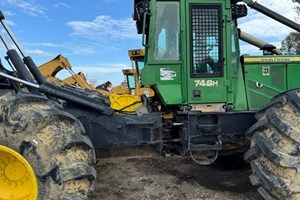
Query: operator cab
column 192, row 51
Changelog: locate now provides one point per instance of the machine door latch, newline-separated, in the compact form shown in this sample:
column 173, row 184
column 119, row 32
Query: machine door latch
column 196, row 94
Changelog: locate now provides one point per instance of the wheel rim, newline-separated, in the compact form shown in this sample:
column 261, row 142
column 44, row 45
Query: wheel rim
column 17, row 178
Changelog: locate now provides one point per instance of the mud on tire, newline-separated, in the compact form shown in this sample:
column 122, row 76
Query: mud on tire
column 274, row 153
column 53, row 142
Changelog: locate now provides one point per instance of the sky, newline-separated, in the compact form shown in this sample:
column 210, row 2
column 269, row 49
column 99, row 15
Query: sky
column 95, row 35
column 266, row 28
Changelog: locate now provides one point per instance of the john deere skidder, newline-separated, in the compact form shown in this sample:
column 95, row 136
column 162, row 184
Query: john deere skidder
column 213, row 99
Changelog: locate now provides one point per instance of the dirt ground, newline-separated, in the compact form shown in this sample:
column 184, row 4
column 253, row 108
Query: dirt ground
column 170, row 178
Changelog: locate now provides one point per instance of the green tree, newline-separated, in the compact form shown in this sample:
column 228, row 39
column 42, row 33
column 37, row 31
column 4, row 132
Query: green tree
column 298, row 6
column 291, row 44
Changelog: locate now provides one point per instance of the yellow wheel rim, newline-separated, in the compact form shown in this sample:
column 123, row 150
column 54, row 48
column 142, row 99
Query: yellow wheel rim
column 17, row 178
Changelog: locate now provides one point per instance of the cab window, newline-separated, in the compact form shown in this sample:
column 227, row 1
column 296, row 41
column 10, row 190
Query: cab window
column 206, row 48
column 166, row 45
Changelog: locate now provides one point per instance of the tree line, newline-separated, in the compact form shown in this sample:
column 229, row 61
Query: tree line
column 291, row 44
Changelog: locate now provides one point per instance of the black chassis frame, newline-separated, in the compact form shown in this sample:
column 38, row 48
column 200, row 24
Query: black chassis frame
column 224, row 132
column 198, row 131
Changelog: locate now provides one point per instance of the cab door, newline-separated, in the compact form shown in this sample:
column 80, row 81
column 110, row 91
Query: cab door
column 205, row 57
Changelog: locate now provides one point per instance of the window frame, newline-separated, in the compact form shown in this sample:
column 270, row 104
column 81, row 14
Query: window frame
column 155, row 57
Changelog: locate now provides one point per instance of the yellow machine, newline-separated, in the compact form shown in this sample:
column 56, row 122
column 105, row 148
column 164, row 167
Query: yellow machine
column 133, row 75
column 50, row 69
column 120, row 98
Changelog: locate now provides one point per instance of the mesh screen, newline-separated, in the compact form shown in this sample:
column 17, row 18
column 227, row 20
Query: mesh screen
column 206, row 36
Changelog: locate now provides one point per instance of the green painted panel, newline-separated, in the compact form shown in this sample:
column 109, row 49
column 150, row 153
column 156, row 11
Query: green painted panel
column 170, row 94
column 209, row 89
column 258, row 97
column 239, row 96
column 278, row 77
column 263, row 82
column 293, row 76
column 148, row 75
column 166, row 80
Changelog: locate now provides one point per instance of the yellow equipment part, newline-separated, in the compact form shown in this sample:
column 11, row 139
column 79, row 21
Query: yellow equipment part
column 51, row 68
column 119, row 89
column 137, row 58
column 17, row 178
column 125, row 102
column 55, row 65
column 78, row 79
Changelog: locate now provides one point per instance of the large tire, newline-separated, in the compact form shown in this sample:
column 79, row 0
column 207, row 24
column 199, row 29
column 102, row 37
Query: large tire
column 274, row 153
column 53, row 142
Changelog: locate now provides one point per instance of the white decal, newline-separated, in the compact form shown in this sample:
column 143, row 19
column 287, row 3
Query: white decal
column 206, row 83
column 266, row 70
column 167, row 74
